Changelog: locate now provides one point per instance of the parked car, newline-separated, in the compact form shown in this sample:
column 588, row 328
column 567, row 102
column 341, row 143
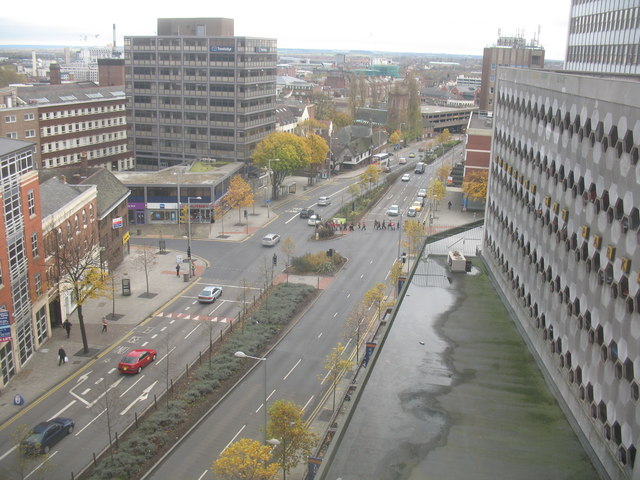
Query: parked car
column 324, row 201
column 306, row 213
column 393, row 211
column 422, row 192
column 412, row 155
column 406, row 177
column 134, row 361
column 46, row 434
column 402, row 161
column 209, row 294
column 314, row 220
column 270, row 239
column 412, row 212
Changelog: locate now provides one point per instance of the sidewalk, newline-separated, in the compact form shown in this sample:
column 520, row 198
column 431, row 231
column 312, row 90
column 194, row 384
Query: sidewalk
column 41, row 374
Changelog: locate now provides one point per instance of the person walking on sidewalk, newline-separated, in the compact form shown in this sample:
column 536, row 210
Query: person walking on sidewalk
column 177, row 269
column 67, row 327
column 62, row 356
column 105, row 323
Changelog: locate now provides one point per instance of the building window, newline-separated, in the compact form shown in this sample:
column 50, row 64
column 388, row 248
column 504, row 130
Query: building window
column 29, row 133
column 37, row 283
column 9, row 119
column 12, row 135
column 25, row 341
column 29, row 116
column 34, row 245
column 41, row 325
column 7, row 365
column 31, row 200
column 1, row 279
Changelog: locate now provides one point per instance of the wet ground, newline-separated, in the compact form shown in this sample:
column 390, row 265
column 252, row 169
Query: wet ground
column 455, row 394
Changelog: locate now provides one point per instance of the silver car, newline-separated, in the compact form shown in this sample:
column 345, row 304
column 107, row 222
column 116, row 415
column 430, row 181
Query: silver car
column 394, row 211
column 270, row 239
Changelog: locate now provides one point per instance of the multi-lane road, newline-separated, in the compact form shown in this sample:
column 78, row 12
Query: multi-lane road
column 101, row 400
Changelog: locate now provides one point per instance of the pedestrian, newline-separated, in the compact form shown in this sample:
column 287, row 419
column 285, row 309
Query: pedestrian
column 359, row 226
column 62, row 356
column 449, row 205
column 104, row 324
column 67, row 327
column 364, row 226
column 193, row 269
column 177, row 269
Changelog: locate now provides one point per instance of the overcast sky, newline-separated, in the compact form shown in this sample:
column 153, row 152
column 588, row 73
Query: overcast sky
column 455, row 27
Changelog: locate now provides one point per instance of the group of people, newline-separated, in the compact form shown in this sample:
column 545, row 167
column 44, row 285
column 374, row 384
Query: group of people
column 62, row 355
column 377, row 225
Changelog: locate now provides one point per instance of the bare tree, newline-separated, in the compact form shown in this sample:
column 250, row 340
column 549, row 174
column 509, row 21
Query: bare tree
column 145, row 260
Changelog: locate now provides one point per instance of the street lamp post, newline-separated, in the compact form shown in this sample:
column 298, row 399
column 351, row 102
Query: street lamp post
column 189, row 230
column 270, row 182
column 260, row 359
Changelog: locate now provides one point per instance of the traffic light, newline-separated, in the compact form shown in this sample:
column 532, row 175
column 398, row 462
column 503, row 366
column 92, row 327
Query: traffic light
column 188, row 252
column 184, row 212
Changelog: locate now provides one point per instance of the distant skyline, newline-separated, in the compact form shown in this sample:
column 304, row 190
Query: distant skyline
column 463, row 27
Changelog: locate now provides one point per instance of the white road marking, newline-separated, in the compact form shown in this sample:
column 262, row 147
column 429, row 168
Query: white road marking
column 165, row 356
column 319, row 335
column 348, row 295
column 307, row 404
column 113, row 385
column 335, row 315
column 145, row 344
column 87, row 425
column 187, row 308
column 8, row 452
column 171, row 322
column 203, row 474
column 362, row 276
column 97, row 382
column 133, row 385
column 292, row 369
column 154, row 336
column 268, row 397
column 86, row 391
column 112, row 370
column 233, row 439
column 45, row 461
column 59, row 412
column 196, row 327
column 163, row 329
column 143, row 396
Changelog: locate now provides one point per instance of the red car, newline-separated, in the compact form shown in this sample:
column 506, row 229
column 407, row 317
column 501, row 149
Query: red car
column 136, row 360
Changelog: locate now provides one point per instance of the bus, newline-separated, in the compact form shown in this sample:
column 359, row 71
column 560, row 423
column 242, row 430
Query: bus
column 382, row 159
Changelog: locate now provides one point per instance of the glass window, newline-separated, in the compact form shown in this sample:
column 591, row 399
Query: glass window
column 34, row 245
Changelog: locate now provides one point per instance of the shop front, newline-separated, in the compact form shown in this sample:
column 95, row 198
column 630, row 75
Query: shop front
column 162, row 213
column 137, row 213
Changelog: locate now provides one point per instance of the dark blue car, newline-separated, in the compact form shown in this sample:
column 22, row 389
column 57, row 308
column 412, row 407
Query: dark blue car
column 46, row 434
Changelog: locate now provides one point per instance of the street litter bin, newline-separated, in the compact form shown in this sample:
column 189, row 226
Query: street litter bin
column 185, row 277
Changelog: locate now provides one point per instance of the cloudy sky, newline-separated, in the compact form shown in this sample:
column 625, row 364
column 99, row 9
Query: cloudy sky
column 455, row 27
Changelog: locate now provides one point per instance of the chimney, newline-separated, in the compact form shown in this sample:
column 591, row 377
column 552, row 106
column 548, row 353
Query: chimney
column 54, row 74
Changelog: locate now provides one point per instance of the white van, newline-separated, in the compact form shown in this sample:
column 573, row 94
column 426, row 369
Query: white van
column 324, row 201
column 419, row 167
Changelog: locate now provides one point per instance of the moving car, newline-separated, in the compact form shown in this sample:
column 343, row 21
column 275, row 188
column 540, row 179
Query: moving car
column 412, row 155
column 412, row 212
column 46, row 434
column 406, row 177
column 419, row 167
column 314, row 220
column 134, row 361
column 393, row 211
column 417, row 206
column 270, row 239
column 422, row 192
column 419, row 200
column 402, row 161
column 324, row 201
column 209, row 294
column 306, row 213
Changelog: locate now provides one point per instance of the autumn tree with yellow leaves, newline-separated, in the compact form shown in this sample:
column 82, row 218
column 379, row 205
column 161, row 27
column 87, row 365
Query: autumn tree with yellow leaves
column 239, row 194
column 475, row 184
column 246, row 459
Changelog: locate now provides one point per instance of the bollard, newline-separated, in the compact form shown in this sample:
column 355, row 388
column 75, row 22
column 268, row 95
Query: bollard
column 155, row 401
column 95, row 461
column 135, row 416
column 187, row 370
column 200, row 357
column 117, row 446
column 172, row 386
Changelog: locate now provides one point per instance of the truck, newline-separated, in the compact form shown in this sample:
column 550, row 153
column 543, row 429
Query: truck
column 419, row 167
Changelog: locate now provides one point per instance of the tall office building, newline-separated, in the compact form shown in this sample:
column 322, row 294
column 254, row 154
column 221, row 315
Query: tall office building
column 604, row 37
column 507, row 52
column 197, row 91
column 563, row 233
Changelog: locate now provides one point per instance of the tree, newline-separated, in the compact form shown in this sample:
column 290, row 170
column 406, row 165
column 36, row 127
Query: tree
column 416, row 126
column 8, row 75
column 353, row 324
column 239, row 195
column 375, row 297
column 145, row 260
column 395, row 274
column 354, row 190
column 290, row 151
column 436, row 190
column 414, row 231
column 370, row 176
column 475, row 184
column 318, row 149
column 218, row 213
column 336, row 365
column 288, row 248
column 325, row 108
column 246, row 459
column 341, row 119
column 444, row 137
column 295, row 439
column 308, row 126
column 78, row 263
column 443, row 173
column 395, row 138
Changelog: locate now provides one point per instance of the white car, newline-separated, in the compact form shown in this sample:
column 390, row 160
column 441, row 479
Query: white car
column 412, row 212
column 402, row 161
column 324, row 201
column 209, row 294
column 314, row 220
column 270, row 239
column 406, row 177
column 394, row 211
column 422, row 192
